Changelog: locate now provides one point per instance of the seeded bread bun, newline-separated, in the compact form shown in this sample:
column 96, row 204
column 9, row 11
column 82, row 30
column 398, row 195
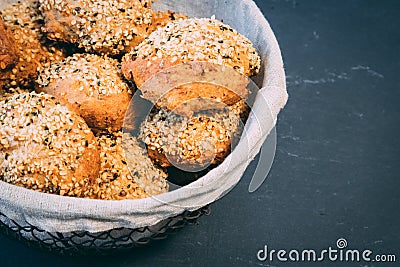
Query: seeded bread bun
column 109, row 27
column 24, row 21
column 117, row 181
column 192, row 40
column 193, row 142
column 8, row 51
column 46, row 147
column 196, row 86
column 92, row 86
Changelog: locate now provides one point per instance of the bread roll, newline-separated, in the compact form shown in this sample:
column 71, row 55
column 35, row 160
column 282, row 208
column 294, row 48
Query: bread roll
column 190, row 143
column 108, row 27
column 34, row 50
column 46, row 147
column 126, row 172
column 192, row 40
column 92, row 86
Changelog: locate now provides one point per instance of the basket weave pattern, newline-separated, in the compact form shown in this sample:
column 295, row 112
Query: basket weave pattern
column 82, row 243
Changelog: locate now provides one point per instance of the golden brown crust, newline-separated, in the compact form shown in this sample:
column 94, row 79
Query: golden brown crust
column 158, row 156
column 117, row 181
column 107, row 27
column 192, row 40
column 46, row 147
column 181, row 84
column 192, row 143
column 8, row 51
column 23, row 20
column 241, row 108
column 92, row 86
column 207, row 40
column 162, row 18
column 140, row 70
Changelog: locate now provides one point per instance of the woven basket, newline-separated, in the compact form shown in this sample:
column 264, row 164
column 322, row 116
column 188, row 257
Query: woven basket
column 86, row 243
column 71, row 225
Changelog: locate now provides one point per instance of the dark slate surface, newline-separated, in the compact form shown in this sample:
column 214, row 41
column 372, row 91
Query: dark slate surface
column 336, row 171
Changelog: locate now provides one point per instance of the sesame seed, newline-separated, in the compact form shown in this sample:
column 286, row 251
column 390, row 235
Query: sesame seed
column 200, row 40
column 97, row 25
column 37, row 136
column 191, row 138
column 24, row 20
column 126, row 172
column 97, row 74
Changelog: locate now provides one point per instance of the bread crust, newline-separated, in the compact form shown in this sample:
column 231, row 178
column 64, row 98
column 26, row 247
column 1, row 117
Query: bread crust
column 8, row 51
column 107, row 27
column 126, row 177
column 92, row 86
column 23, row 20
column 46, row 147
column 190, row 143
column 186, row 41
column 162, row 18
